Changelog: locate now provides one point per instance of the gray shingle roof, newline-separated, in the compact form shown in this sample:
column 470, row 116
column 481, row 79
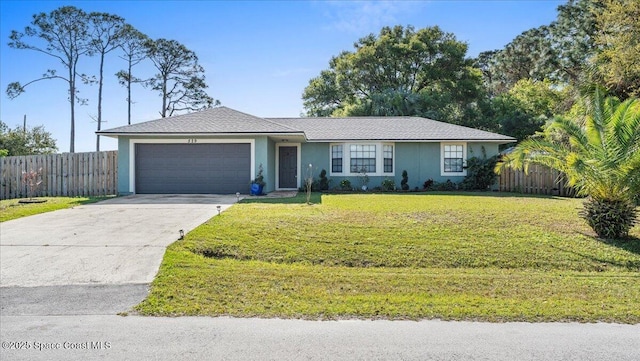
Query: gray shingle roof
column 386, row 128
column 215, row 120
column 224, row 120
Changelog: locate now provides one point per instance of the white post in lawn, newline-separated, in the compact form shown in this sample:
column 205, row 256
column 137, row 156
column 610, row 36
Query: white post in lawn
column 308, row 180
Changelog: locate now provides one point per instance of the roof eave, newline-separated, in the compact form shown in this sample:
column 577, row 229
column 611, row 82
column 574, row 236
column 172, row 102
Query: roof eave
column 302, row 134
column 194, row 134
column 439, row 140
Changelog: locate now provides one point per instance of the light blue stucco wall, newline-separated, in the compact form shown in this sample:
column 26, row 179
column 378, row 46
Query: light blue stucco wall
column 475, row 149
column 316, row 154
column 270, row 169
column 123, row 166
column 264, row 157
column 420, row 160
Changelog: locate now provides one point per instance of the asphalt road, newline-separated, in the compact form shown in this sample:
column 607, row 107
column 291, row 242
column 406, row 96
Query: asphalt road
column 80, row 322
column 93, row 337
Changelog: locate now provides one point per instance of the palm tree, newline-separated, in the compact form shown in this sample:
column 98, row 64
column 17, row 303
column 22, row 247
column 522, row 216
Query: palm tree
column 601, row 159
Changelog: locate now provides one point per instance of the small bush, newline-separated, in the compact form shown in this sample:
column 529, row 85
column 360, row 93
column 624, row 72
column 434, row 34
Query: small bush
column 405, row 180
column 345, row 185
column 480, row 172
column 259, row 179
column 448, row 185
column 388, row 185
column 323, row 184
column 428, row 184
column 609, row 219
column 33, row 180
column 364, row 179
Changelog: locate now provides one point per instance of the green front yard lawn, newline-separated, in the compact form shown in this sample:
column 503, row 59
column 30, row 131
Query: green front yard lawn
column 468, row 256
column 12, row 209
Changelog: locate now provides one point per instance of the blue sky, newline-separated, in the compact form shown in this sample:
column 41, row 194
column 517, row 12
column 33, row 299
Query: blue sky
column 258, row 55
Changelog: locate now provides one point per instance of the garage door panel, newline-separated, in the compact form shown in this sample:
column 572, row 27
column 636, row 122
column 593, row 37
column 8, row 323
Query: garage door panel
column 192, row 168
column 225, row 174
column 233, row 160
column 230, row 148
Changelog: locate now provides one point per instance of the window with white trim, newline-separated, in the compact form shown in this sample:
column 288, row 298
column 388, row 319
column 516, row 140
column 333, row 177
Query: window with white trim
column 336, row 158
column 362, row 158
column 453, row 159
column 387, row 154
column 349, row 159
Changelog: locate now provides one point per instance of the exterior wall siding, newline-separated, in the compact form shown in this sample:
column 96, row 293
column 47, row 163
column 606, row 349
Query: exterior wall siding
column 270, row 165
column 475, row 149
column 123, row 166
column 316, row 154
column 262, row 158
column 420, row 160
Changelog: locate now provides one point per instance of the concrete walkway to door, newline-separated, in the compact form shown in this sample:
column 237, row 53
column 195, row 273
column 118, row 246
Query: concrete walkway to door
column 117, row 241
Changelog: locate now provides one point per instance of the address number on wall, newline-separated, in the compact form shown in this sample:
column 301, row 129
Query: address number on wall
column 192, row 140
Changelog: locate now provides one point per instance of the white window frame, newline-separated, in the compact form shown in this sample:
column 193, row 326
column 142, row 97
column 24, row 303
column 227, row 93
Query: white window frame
column 393, row 158
column 331, row 158
column 364, row 152
column 346, row 159
column 464, row 160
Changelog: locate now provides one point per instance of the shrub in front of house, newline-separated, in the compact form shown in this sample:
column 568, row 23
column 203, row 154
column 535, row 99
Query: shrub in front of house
column 345, row 185
column 448, row 185
column 428, row 184
column 388, row 185
column 323, row 183
column 404, row 183
column 480, row 173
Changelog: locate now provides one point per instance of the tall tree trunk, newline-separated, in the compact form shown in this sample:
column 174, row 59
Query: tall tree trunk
column 129, row 93
column 100, row 101
column 72, row 99
column 164, row 96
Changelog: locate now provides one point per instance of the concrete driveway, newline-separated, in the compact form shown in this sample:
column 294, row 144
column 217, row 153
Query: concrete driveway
column 117, row 241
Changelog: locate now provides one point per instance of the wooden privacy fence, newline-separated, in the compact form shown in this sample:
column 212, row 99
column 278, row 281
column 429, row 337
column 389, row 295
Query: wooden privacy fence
column 67, row 174
column 539, row 180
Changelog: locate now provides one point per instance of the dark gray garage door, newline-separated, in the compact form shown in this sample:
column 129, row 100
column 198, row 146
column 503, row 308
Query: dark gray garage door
column 193, row 168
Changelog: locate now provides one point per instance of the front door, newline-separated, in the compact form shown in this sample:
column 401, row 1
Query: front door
column 288, row 164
